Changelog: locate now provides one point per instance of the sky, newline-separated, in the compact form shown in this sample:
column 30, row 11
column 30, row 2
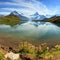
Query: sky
column 29, row 7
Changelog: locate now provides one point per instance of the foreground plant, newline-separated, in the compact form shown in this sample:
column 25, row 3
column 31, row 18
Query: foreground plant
column 1, row 56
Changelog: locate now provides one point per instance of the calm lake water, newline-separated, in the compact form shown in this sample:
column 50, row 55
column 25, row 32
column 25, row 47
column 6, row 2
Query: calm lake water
column 33, row 30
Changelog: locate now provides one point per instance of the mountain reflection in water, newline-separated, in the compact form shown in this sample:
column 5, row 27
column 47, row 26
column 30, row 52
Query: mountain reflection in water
column 33, row 30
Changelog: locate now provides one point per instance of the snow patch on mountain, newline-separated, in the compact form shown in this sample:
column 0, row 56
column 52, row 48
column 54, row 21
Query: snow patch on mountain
column 37, row 16
column 19, row 15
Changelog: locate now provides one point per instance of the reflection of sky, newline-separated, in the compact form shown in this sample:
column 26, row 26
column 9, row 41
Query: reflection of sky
column 30, row 29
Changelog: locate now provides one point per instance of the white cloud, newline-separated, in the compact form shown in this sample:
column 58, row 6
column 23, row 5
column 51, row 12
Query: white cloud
column 32, row 7
column 26, row 12
column 8, row 3
column 4, row 13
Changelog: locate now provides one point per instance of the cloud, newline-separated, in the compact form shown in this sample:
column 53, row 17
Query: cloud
column 31, row 7
column 26, row 11
column 4, row 13
column 8, row 3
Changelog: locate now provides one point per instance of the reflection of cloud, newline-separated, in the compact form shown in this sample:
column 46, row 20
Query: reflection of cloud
column 5, row 26
column 30, row 7
column 30, row 28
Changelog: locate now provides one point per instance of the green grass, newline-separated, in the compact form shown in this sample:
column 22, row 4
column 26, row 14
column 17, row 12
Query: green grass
column 1, row 56
column 10, row 20
column 29, row 50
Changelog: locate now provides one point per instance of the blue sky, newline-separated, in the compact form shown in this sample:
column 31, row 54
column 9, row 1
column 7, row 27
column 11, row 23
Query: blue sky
column 28, row 7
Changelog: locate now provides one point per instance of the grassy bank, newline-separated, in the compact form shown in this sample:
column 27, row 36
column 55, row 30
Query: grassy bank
column 10, row 20
column 42, row 51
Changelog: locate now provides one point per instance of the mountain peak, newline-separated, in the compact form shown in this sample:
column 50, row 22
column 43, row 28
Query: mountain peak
column 19, row 15
column 37, row 16
column 36, row 13
column 14, row 13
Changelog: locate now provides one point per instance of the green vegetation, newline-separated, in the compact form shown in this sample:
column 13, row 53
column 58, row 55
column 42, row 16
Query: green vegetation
column 27, row 49
column 10, row 20
column 54, row 19
column 1, row 56
column 32, row 52
column 40, row 51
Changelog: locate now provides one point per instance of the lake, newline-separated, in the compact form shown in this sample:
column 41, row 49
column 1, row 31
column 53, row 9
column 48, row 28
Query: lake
column 33, row 31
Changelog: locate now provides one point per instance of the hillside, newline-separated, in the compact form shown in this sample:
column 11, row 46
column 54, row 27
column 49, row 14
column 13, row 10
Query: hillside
column 10, row 20
column 54, row 19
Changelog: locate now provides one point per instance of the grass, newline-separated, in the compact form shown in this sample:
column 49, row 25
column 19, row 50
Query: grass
column 55, row 20
column 36, row 52
column 1, row 56
column 10, row 20
column 32, row 51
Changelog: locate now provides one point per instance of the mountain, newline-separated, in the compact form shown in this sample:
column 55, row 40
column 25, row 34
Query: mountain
column 48, row 16
column 54, row 19
column 36, row 16
column 10, row 20
column 19, row 15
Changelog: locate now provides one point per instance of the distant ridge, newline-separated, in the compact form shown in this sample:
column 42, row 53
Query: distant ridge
column 53, row 19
